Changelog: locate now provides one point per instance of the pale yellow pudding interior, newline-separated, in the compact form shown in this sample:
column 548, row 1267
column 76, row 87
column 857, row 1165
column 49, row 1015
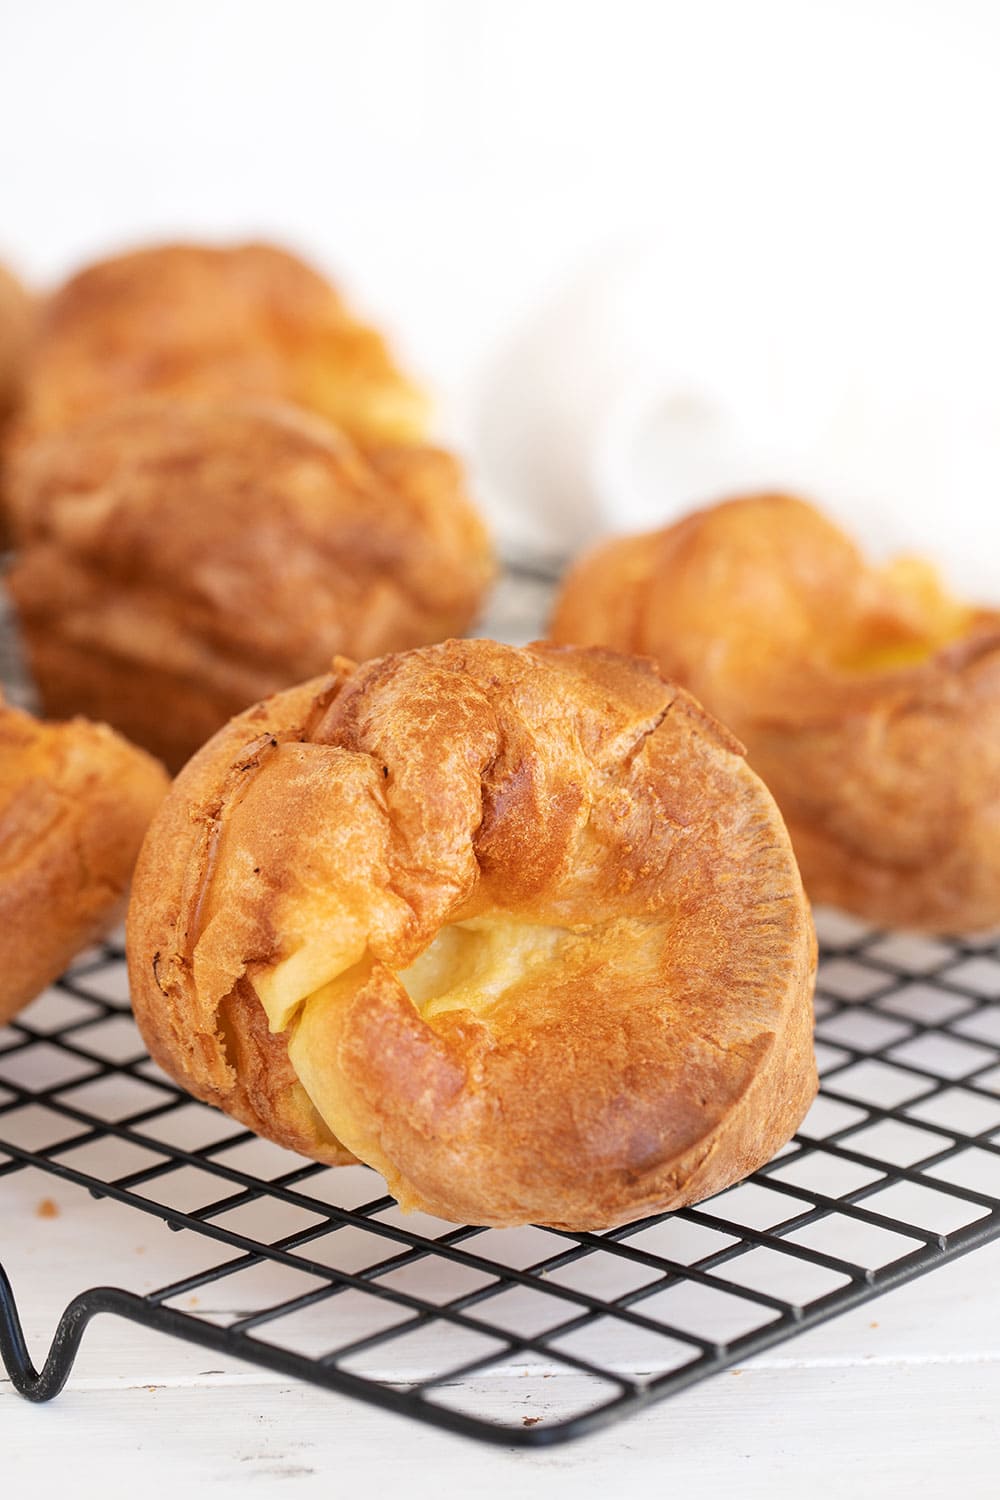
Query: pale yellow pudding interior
column 911, row 617
column 469, row 965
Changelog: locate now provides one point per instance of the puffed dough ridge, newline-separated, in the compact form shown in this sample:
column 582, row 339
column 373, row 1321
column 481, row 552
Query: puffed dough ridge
column 180, row 560
column 213, row 321
column 75, row 801
column 16, row 314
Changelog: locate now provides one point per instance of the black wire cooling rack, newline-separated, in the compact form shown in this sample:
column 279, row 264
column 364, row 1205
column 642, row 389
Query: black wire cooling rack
column 313, row 1272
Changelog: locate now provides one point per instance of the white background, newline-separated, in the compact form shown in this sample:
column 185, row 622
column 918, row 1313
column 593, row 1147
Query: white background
column 798, row 198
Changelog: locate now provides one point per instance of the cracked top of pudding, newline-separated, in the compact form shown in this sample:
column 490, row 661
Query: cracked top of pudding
column 517, row 927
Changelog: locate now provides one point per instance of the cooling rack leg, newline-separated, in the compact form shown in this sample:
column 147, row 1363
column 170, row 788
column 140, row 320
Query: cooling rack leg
column 33, row 1384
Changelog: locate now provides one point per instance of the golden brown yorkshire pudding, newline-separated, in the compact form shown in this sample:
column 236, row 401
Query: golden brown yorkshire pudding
column 869, row 700
column 517, row 927
column 15, row 329
column 180, row 560
column 210, row 321
column 75, row 800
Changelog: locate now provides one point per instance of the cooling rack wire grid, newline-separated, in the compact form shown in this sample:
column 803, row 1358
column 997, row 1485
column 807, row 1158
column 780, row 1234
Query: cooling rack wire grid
column 314, row 1273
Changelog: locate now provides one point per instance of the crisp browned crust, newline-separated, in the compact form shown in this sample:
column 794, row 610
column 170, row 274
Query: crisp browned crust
column 180, row 560
column 214, row 321
column 606, row 952
column 75, row 801
column 870, row 702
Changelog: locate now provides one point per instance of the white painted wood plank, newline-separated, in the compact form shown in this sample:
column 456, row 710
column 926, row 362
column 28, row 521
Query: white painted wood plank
column 762, row 1434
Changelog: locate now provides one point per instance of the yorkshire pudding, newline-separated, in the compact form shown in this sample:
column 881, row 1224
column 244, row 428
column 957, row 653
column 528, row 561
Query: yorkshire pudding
column 180, row 560
column 517, row 927
column 214, row 321
column 868, row 699
column 75, row 800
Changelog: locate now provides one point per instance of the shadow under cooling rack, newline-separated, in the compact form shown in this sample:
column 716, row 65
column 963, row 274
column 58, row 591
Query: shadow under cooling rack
column 314, row 1273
